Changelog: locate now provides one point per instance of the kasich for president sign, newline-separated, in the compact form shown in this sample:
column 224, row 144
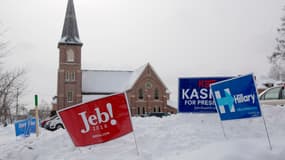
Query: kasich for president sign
column 195, row 94
column 97, row 121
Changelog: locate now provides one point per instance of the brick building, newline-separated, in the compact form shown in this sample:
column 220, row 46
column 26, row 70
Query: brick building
column 145, row 91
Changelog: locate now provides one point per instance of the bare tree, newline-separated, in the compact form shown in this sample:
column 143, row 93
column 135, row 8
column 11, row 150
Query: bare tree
column 4, row 44
column 12, row 84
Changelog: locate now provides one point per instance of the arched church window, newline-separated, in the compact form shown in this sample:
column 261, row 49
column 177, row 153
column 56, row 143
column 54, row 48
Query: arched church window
column 70, row 55
column 69, row 96
column 156, row 94
column 140, row 93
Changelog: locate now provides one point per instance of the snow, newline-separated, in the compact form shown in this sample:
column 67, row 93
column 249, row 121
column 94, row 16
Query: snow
column 109, row 81
column 87, row 98
column 180, row 136
column 70, row 40
column 101, row 81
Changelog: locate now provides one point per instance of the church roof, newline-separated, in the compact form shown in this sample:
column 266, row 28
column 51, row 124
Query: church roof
column 109, row 81
column 70, row 33
column 102, row 81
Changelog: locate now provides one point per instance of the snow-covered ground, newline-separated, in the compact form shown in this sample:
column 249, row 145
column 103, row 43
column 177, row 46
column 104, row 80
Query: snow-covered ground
column 177, row 137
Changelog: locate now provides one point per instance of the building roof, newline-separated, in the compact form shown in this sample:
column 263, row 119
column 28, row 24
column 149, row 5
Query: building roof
column 70, row 33
column 102, row 82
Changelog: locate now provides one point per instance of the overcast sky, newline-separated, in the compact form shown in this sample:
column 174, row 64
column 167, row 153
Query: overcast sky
column 180, row 38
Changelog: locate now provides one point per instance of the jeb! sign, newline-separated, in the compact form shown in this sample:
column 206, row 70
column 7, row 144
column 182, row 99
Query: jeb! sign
column 97, row 121
column 236, row 98
column 195, row 94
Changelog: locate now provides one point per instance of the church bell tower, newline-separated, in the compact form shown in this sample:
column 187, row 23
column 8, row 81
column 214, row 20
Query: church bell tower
column 69, row 71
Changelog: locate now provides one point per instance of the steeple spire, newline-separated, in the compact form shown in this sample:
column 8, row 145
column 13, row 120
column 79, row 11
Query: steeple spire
column 70, row 33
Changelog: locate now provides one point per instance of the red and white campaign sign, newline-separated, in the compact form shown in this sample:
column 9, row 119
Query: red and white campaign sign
column 97, row 121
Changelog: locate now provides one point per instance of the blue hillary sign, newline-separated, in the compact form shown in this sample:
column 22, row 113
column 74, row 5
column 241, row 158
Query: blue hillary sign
column 236, row 98
column 195, row 94
column 25, row 127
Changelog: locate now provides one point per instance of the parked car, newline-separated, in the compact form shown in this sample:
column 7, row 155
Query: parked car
column 44, row 121
column 54, row 123
column 273, row 96
column 51, row 116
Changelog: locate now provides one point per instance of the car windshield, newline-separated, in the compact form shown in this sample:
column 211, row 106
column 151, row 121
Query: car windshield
column 271, row 94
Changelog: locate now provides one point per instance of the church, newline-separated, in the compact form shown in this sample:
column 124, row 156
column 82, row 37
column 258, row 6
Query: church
column 145, row 91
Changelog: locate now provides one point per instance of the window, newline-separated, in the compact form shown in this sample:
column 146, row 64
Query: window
column 69, row 96
column 143, row 110
column 272, row 94
column 69, row 76
column 139, row 111
column 154, row 109
column 156, row 94
column 72, row 76
column 148, row 85
column 69, row 55
column 140, row 93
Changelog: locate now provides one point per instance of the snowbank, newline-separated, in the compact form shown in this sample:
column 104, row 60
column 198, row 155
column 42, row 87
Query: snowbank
column 181, row 137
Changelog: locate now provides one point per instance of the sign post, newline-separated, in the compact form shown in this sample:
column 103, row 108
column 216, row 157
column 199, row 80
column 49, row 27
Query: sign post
column 37, row 115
